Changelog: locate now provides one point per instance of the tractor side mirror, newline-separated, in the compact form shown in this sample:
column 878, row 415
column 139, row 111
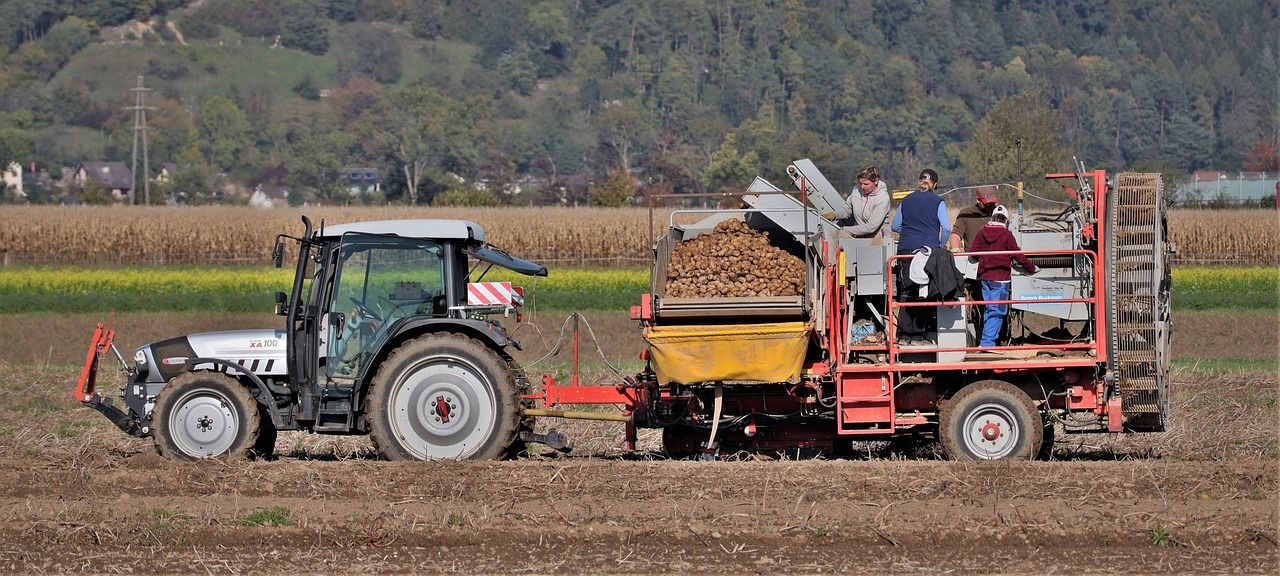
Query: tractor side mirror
column 282, row 304
column 277, row 253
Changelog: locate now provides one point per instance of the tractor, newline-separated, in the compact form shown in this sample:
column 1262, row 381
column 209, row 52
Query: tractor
column 384, row 334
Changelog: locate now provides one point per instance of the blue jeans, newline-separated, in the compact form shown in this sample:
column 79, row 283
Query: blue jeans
column 993, row 318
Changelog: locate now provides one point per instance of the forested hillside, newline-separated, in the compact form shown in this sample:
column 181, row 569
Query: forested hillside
column 684, row 95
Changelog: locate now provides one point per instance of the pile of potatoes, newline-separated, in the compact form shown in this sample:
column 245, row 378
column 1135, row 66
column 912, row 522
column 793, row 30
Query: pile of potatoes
column 733, row 261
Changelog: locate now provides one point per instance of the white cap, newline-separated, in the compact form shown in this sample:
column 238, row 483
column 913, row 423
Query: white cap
column 1000, row 210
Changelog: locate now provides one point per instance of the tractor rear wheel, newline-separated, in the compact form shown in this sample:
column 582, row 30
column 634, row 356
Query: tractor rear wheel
column 443, row 396
column 990, row 420
column 205, row 415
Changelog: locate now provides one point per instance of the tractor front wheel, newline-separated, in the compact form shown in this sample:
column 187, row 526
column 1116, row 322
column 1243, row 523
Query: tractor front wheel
column 990, row 420
column 206, row 415
column 443, row 396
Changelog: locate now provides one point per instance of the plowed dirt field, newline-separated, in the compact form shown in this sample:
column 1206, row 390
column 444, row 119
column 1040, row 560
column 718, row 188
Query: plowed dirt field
column 134, row 513
column 78, row 496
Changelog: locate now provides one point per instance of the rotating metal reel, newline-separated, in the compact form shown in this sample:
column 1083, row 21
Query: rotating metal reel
column 1139, row 322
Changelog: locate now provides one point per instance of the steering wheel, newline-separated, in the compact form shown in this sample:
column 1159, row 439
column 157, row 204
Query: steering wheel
column 365, row 313
column 362, row 315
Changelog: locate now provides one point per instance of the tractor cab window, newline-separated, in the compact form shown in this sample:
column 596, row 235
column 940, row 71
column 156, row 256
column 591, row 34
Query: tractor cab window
column 379, row 281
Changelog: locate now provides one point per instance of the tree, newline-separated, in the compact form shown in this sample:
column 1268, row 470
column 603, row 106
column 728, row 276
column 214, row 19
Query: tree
column 307, row 88
column 426, row 18
column 729, row 167
column 316, row 160
column 370, row 50
column 355, row 97
column 106, row 12
column 466, row 197
column 192, row 185
column 1262, row 158
column 304, row 27
column 623, row 128
column 171, row 132
column 518, row 70
column 15, row 145
column 992, row 154
column 615, row 191
column 591, row 69
column 342, row 11
column 224, row 132
column 95, row 194
column 26, row 20
column 425, row 132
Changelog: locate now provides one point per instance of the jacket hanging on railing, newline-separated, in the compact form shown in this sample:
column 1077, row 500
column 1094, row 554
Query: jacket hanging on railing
column 946, row 282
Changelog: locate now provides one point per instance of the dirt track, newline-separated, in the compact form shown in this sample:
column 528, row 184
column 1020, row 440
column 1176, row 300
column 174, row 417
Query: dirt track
column 136, row 512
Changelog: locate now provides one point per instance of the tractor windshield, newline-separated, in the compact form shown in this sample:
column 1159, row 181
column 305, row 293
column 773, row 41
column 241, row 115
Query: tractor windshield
column 380, row 280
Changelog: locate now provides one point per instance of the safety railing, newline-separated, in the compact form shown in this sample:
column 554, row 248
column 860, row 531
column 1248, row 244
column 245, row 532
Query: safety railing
column 892, row 306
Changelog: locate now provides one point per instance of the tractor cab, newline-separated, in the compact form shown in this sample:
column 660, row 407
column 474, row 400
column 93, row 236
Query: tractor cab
column 361, row 289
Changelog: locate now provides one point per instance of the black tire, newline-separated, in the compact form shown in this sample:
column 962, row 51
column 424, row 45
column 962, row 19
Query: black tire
column 683, row 442
column 265, row 447
column 990, row 420
column 206, row 415
column 443, row 396
column 1049, row 437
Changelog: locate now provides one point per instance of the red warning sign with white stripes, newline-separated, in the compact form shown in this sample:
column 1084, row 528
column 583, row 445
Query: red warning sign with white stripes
column 493, row 294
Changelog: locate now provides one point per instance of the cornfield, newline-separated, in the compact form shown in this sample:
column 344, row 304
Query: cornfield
column 556, row 236
column 1226, row 236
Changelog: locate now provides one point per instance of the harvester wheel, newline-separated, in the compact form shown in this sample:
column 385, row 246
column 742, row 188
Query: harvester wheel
column 443, row 396
column 206, row 415
column 990, row 420
column 681, row 442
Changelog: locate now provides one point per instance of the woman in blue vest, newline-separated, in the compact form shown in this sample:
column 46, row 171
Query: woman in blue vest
column 921, row 222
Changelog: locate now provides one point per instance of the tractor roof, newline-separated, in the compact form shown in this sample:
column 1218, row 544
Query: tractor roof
column 429, row 229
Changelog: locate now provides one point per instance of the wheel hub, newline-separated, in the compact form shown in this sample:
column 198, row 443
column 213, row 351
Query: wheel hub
column 991, row 431
column 446, row 407
column 442, row 409
column 204, row 425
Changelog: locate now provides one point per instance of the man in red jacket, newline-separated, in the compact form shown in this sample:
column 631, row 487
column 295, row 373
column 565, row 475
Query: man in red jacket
column 995, row 271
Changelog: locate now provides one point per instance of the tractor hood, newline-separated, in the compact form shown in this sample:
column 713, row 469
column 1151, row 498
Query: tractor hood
column 260, row 351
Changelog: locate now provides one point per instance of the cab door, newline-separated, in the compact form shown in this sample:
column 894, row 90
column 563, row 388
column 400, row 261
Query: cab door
column 379, row 282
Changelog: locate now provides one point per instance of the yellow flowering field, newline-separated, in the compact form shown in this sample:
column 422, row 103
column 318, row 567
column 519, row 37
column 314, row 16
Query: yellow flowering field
column 239, row 289
column 243, row 289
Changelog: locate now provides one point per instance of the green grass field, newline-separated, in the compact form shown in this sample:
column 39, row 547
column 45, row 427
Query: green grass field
column 249, row 289
column 1225, row 365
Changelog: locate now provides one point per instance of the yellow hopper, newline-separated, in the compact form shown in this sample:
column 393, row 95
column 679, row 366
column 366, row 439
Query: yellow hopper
column 728, row 353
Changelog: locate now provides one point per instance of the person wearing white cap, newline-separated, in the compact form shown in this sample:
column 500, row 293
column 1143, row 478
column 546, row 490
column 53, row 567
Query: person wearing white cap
column 995, row 271
column 968, row 223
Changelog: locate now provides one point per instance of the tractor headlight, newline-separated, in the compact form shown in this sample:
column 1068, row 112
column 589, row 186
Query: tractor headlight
column 140, row 357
